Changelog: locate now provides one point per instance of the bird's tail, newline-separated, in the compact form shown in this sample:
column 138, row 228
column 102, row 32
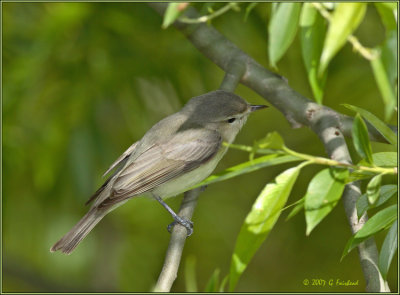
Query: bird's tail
column 71, row 239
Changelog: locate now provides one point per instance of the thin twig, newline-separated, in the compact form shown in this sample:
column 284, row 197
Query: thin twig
column 313, row 159
column 175, row 248
column 206, row 18
column 233, row 75
column 333, row 162
column 367, row 53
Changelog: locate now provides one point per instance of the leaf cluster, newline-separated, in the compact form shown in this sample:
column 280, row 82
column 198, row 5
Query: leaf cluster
column 323, row 193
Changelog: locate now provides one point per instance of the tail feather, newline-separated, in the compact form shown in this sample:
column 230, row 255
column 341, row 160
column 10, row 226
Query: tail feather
column 70, row 240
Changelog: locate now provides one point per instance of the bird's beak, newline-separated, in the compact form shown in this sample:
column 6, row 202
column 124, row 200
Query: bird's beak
column 257, row 107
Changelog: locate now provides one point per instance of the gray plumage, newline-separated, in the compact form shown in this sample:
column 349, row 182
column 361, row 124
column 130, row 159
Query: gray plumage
column 175, row 154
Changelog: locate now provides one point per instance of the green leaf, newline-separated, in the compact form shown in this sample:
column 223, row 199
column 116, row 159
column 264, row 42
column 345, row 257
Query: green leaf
column 389, row 52
column 213, row 282
column 274, row 8
column 387, row 16
column 329, row 5
column 388, row 250
column 373, row 188
column 382, row 128
column 246, row 167
column 221, row 288
column 390, row 5
column 384, row 85
column 296, row 209
column 272, row 141
column 386, row 192
column 282, row 30
column 378, row 222
column 362, row 205
column 323, row 193
column 385, row 159
column 345, row 19
column 190, row 274
column 313, row 29
column 389, row 58
column 382, row 159
column 249, row 8
column 207, row 8
column 359, row 175
column 173, row 11
column 361, row 139
column 260, row 220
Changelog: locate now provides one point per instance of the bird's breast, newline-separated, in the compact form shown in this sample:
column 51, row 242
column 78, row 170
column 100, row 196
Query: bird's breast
column 189, row 179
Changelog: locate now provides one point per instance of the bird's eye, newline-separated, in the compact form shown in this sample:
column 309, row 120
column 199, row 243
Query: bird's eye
column 231, row 120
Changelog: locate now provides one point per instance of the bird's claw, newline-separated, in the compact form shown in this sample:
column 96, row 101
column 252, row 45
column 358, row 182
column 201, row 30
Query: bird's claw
column 184, row 222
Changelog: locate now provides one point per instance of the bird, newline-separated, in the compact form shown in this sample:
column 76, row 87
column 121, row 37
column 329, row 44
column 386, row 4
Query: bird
column 175, row 154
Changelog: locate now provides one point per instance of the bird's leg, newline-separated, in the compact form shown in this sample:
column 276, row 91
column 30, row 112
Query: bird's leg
column 177, row 219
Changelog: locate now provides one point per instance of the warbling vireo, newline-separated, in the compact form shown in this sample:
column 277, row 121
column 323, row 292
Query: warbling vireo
column 174, row 155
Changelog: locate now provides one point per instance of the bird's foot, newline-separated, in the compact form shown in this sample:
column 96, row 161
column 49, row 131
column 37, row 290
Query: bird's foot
column 184, row 222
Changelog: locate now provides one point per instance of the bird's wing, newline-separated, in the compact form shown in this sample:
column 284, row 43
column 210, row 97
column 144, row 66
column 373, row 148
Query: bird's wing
column 163, row 162
column 121, row 161
column 121, row 158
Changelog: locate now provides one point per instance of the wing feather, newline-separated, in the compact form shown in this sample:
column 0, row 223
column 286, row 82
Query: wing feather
column 163, row 162
column 121, row 158
column 121, row 161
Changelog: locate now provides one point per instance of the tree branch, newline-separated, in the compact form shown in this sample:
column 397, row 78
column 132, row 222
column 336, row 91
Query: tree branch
column 324, row 124
column 271, row 86
column 233, row 75
column 175, row 248
column 367, row 250
column 300, row 111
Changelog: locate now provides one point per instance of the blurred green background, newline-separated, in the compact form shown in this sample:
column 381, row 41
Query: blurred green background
column 82, row 81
